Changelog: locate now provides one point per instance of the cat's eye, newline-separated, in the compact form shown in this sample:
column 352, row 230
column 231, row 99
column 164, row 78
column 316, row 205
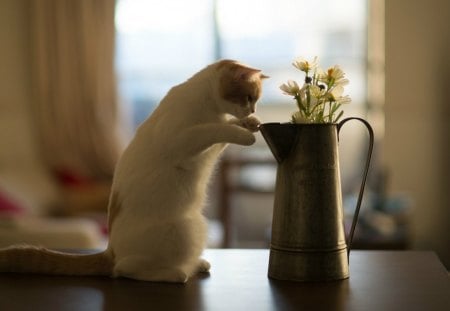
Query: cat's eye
column 250, row 98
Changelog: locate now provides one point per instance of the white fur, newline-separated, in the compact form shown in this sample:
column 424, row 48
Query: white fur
column 161, row 180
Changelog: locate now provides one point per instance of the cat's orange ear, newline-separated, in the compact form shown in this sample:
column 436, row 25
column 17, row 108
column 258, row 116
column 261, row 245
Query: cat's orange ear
column 239, row 71
column 247, row 73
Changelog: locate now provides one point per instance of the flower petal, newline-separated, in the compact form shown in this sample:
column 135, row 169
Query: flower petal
column 304, row 65
column 290, row 88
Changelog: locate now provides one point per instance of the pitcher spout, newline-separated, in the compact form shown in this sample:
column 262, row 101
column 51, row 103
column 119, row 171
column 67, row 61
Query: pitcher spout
column 280, row 138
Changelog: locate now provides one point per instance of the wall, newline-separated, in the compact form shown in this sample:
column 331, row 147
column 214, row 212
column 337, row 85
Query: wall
column 417, row 111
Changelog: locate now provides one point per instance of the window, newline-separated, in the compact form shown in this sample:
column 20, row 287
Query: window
column 162, row 43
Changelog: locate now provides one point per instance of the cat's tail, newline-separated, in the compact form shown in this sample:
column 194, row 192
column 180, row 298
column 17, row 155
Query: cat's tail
column 31, row 259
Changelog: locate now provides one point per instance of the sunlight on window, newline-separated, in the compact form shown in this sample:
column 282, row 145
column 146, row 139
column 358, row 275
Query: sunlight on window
column 271, row 33
column 170, row 17
column 162, row 43
column 159, row 44
column 242, row 19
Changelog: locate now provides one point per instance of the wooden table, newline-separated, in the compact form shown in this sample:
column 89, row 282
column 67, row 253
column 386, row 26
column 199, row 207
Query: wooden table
column 379, row 280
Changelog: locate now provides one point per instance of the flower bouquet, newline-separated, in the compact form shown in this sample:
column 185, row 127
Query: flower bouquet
column 321, row 95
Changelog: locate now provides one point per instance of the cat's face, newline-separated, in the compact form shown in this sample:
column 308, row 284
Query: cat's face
column 239, row 88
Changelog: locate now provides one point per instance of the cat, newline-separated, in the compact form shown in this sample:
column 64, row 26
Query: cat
column 157, row 230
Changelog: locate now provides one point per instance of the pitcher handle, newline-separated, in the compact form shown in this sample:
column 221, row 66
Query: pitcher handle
column 363, row 183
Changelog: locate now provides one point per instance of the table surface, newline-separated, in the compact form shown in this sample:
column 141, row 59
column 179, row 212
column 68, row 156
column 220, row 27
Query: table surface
column 379, row 280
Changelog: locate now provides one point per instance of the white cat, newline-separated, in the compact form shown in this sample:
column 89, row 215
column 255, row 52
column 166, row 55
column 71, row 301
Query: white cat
column 157, row 230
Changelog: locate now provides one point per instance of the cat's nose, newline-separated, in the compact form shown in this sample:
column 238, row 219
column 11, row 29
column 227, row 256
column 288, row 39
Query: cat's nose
column 252, row 110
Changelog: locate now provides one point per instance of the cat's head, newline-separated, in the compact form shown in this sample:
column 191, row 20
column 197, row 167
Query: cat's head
column 239, row 88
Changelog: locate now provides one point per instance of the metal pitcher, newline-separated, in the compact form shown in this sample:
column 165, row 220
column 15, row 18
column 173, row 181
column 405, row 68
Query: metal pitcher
column 308, row 239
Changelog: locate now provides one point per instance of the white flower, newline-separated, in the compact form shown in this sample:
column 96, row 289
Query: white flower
column 304, row 65
column 337, row 91
column 343, row 100
column 290, row 88
column 336, row 95
column 316, row 91
column 333, row 76
column 321, row 95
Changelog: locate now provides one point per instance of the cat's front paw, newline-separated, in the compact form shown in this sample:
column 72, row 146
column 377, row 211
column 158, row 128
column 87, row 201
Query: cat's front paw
column 251, row 123
column 203, row 266
column 247, row 139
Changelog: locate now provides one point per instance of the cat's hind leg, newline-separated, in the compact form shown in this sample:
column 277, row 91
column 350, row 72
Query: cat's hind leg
column 137, row 267
column 172, row 275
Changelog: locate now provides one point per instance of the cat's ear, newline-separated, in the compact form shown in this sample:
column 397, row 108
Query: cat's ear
column 239, row 71
column 247, row 73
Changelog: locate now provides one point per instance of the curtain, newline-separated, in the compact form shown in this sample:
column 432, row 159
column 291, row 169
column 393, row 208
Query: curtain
column 74, row 86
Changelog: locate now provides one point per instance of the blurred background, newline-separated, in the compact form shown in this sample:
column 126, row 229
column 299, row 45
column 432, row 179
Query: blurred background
column 78, row 77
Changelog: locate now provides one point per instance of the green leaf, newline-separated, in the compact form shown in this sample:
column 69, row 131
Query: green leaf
column 339, row 116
